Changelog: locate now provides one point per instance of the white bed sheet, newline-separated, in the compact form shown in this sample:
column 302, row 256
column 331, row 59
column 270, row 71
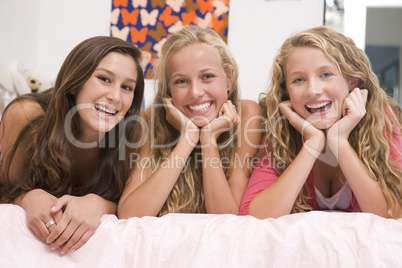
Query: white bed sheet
column 313, row 239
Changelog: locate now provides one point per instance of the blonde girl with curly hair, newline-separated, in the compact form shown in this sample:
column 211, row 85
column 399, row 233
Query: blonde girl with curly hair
column 196, row 157
column 333, row 136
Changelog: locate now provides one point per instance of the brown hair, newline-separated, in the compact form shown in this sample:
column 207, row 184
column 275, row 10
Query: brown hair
column 49, row 162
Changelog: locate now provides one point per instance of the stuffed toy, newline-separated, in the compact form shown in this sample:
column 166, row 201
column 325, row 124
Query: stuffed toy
column 27, row 80
column 18, row 80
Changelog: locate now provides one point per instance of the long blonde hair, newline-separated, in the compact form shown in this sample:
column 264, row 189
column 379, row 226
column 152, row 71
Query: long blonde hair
column 369, row 138
column 187, row 194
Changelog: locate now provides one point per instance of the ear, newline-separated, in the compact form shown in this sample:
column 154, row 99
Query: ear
column 353, row 83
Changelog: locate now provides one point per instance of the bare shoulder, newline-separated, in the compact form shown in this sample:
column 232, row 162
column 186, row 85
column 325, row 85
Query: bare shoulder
column 14, row 120
column 22, row 112
column 250, row 108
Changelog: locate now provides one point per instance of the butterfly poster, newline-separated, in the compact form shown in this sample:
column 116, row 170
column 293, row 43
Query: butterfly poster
column 148, row 23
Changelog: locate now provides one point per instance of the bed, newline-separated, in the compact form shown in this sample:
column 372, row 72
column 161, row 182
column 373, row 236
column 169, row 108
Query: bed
column 312, row 239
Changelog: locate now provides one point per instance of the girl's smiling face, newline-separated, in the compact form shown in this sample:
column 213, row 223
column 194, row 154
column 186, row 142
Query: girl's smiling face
column 316, row 88
column 107, row 95
column 198, row 83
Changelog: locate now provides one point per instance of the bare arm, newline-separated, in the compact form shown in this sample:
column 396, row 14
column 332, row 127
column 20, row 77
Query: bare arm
column 224, row 195
column 278, row 198
column 14, row 120
column 146, row 192
column 366, row 189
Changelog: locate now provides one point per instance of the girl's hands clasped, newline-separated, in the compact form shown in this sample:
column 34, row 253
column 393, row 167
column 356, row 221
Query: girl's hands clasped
column 353, row 110
column 314, row 139
column 37, row 204
column 79, row 220
column 180, row 122
column 227, row 119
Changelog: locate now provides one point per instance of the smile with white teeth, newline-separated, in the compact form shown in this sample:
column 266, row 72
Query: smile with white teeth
column 105, row 110
column 200, row 108
column 318, row 105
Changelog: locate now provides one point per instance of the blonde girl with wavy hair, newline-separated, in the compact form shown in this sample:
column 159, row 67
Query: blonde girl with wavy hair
column 193, row 161
column 333, row 136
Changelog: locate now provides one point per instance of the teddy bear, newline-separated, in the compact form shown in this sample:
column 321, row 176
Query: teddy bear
column 28, row 80
column 19, row 80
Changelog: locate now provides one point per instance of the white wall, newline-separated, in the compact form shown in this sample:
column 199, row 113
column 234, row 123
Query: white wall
column 65, row 23
column 42, row 32
column 19, row 25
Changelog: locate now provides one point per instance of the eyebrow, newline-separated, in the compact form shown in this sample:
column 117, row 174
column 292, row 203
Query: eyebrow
column 323, row 67
column 112, row 73
column 207, row 69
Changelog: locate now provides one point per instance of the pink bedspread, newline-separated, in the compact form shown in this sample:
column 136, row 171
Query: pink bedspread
column 314, row 239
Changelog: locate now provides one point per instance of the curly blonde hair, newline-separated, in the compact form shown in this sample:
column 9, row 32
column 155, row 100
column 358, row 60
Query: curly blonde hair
column 187, row 195
column 369, row 138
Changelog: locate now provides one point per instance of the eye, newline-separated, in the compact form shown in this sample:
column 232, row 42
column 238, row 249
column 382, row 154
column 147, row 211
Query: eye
column 208, row 76
column 298, row 80
column 127, row 88
column 104, row 79
column 326, row 74
column 179, row 81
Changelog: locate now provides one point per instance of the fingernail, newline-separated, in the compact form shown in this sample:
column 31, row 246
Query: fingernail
column 54, row 208
column 62, row 252
column 73, row 250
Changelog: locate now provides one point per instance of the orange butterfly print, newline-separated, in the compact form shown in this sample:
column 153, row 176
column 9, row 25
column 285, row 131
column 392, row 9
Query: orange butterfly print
column 206, row 21
column 158, row 46
column 216, row 23
column 114, row 16
column 220, row 8
column 158, row 33
column 149, row 74
column 176, row 27
column 122, row 3
column 191, row 6
column 129, row 18
column 138, row 36
column 167, row 17
column 206, row 6
column 189, row 18
column 120, row 33
column 147, row 47
column 139, row 3
column 156, row 3
column 175, row 4
column 149, row 18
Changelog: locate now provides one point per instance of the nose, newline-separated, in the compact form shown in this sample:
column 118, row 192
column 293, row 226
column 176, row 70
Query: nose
column 114, row 94
column 196, row 90
column 314, row 88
